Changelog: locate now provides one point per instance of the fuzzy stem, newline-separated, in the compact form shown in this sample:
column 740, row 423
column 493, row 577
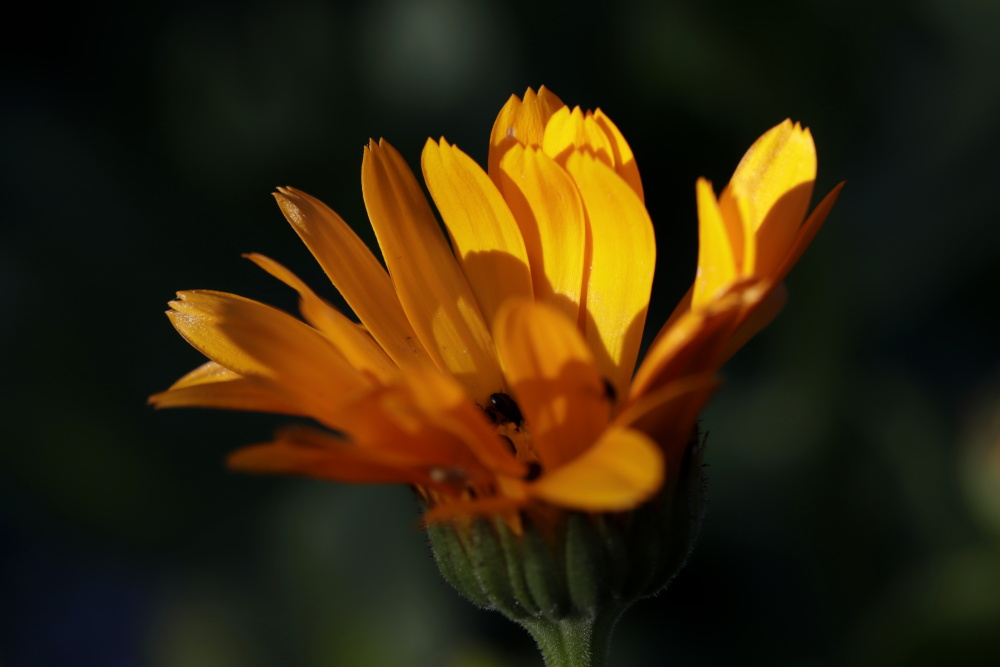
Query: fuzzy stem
column 574, row 641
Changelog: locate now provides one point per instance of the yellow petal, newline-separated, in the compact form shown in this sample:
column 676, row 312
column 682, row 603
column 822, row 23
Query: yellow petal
column 624, row 158
column 620, row 270
column 212, row 386
column 355, row 272
column 520, row 123
column 483, row 232
column 431, row 287
column 554, row 380
column 718, row 240
column 357, row 346
column 622, row 470
column 283, row 354
column 568, row 130
column 549, row 211
column 776, row 178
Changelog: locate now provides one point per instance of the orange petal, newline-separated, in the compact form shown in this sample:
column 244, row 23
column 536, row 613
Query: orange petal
column 309, row 452
column 256, row 341
column 623, row 257
column 568, row 130
column 483, row 232
column 357, row 346
column 669, row 414
column 549, row 211
column 355, row 272
column 520, row 123
column 212, row 386
column 622, row 470
column 695, row 341
column 807, row 232
column 624, row 159
column 431, row 287
column 554, row 379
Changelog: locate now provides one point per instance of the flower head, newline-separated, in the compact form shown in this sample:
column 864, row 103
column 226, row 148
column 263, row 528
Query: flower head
column 494, row 370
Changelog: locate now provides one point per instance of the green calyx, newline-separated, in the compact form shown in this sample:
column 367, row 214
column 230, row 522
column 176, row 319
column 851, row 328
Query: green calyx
column 568, row 583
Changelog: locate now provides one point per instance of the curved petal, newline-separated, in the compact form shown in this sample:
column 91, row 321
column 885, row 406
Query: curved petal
column 554, row 379
column 622, row 470
column 622, row 261
column 352, row 341
column 431, row 288
column 776, row 178
column 695, row 341
column 212, row 386
column 483, row 232
column 257, row 341
column 624, row 158
column 549, row 211
column 720, row 240
column 520, row 123
column 779, row 162
column 807, row 232
column 313, row 453
column 355, row 272
column 568, row 131
column 669, row 414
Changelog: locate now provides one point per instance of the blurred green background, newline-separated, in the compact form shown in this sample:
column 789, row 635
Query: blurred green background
column 854, row 450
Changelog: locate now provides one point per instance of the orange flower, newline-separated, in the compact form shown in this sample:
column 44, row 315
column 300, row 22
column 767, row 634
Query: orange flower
column 495, row 373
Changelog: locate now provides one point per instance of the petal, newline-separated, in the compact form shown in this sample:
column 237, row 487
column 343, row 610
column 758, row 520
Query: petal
column 313, row 453
column 573, row 130
column 781, row 161
column 286, row 356
column 520, row 123
column 357, row 346
column 720, row 240
column 212, row 386
column 623, row 257
column 669, row 414
column 549, row 211
column 483, row 232
column 755, row 319
column 355, row 272
column 432, row 290
column 554, row 379
column 807, row 232
column 776, row 178
column 624, row 159
column 622, row 470
column 695, row 341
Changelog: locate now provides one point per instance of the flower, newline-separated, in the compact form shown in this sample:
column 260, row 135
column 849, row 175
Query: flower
column 495, row 373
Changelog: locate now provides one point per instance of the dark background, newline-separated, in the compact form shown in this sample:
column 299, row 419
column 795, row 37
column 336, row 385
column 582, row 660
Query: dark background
column 854, row 449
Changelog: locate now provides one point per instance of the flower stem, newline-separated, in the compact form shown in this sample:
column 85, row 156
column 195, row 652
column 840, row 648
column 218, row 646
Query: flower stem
column 574, row 641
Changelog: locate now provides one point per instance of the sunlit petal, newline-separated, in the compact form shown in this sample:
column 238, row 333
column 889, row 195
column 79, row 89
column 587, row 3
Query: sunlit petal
column 355, row 272
column 549, row 211
column 554, row 379
column 623, row 469
column 483, row 232
column 431, row 287
column 619, row 275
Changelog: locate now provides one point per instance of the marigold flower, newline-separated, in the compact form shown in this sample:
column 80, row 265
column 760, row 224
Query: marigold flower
column 494, row 373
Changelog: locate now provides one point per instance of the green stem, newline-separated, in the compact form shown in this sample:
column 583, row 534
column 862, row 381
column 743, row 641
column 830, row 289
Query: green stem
column 574, row 641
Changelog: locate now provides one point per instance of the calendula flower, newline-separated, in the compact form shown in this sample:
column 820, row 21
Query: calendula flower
column 495, row 373
column 494, row 370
